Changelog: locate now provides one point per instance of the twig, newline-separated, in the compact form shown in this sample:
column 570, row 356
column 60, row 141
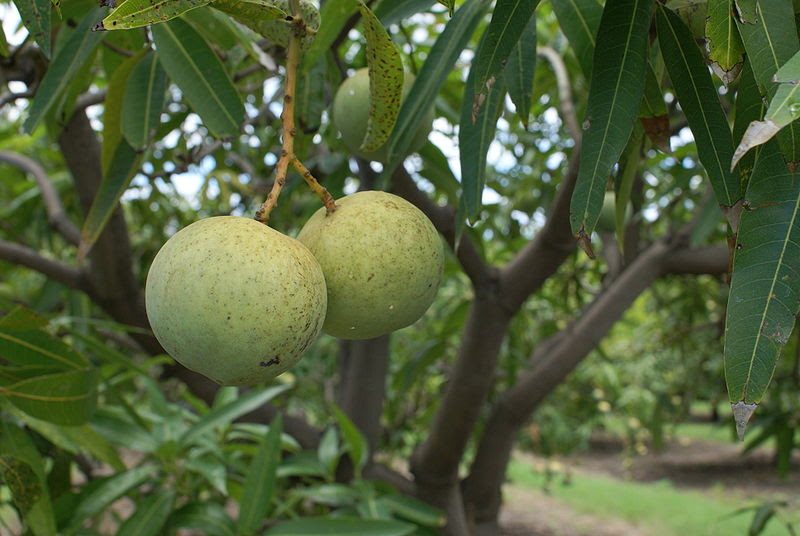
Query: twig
column 25, row 256
column 564, row 90
column 56, row 214
column 287, row 155
column 316, row 187
column 11, row 97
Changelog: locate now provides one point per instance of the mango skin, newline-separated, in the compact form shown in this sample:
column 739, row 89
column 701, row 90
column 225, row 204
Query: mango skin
column 382, row 259
column 351, row 113
column 235, row 300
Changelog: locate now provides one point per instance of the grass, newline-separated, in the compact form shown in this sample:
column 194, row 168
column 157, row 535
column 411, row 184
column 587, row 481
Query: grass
column 659, row 507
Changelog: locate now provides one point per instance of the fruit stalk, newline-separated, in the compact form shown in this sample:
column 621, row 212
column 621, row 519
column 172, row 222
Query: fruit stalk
column 287, row 155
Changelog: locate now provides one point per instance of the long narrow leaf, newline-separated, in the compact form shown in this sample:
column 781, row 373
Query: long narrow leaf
column 520, row 70
column 138, row 13
column 80, row 45
column 579, row 20
column 61, row 397
column 614, row 98
column 206, row 517
column 144, row 98
column 150, row 516
column 340, row 527
column 112, row 111
column 195, row 68
column 725, row 44
column 358, row 449
column 700, row 102
column 259, row 484
column 35, row 16
column 765, row 289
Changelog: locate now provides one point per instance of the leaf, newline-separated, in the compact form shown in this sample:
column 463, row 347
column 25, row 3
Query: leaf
column 260, row 481
column 112, row 110
column 224, row 415
column 509, row 19
column 138, row 13
column 725, row 45
column 579, row 20
column 3, row 43
column 122, row 432
column 105, row 492
column 333, row 15
column 329, row 494
column 771, row 42
column 474, row 138
column 35, row 16
column 328, row 450
column 385, row 81
column 310, row 97
column 393, row 12
column 765, row 289
column 749, row 107
column 80, row 45
column 21, row 481
column 200, row 75
column 150, row 516
column 31, row 347
column 144, row 98
column 414, row 510
column 653, row 112
column 746, row 10
column 255, row 10
column 216, row 27
column 700, row 102
column 450, row 5
column 21, row 319
column 356, row 442
column 783, row 109
column 614, row 97
column 434, row 71
column 340, row 527
column 206, row 517
column 60, row 397
column 520, row 69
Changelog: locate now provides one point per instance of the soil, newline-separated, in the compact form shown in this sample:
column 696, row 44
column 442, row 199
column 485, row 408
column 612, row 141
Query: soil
column 687, row 463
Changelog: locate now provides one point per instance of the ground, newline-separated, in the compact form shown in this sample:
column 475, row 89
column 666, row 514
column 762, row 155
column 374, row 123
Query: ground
column 711, row 467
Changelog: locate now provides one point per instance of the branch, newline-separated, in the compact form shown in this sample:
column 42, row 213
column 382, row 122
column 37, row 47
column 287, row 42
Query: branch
column 56, row 214
column 564, row 90
column 24, row 256
column 444, row 219
column 704, row 260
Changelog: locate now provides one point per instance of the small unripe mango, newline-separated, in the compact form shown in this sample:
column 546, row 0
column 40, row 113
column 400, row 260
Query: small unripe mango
column 382, row 259
column 351, row 113
column 235, row 300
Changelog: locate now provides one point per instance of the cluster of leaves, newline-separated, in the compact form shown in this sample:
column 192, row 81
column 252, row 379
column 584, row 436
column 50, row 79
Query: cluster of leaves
column 183, row 464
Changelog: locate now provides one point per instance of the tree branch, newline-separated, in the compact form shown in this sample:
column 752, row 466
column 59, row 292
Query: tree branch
column 564, row 90
column 56, row 214
column 30, row 258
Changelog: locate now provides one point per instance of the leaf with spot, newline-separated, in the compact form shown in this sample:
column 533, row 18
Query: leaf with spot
column 784, row 108
column 35, row 16
column 62, row 70
column 440, row 61
column 698, row 97
column 144, row 98
column 192, row 64
column 725, row 45
column 21, row 481
column 138, row 13
column 579, row 20
column 509, row 20
column 385, row 81
column 770, row 42
column 520, row 69
column 254, row 10
column 615, row 95
column 765, row 288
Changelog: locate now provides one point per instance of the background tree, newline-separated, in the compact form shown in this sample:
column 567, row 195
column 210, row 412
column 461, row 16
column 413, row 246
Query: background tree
column 180, row 120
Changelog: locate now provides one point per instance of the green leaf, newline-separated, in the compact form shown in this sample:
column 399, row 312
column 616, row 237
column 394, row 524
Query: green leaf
column 224, row 415
column 105, row 492
column 653, row 112
column 783, row 109
column 700, row 102
column 770, row 42
column 334, row 14
column 121, row 170
column 61, row 72
column 206, row 517
column 304, row 463
column 137, row 13
column 3, row 43
column 310, row 97
column 746, row 10
column 614, row 97
column 216, row 27
column 749, row 107
column 144, row 98
column 329, row 494
column 255, row 10
column 122, row 432
column 35, row 16
column 385, row 81
column 725, row 45
column 474, row 138
column 356, row 442
column 21, row 319
column 260, row 481
column 21, row 481
column 520, row 70
column 36, row 347
column 434, row 71
column 195, row 68
column 58, row 397
column 509, row 19
column 340, row 527
column 150, row 516
column 328, row 450
column 395, row 11
column 34, row 497
column 414, row 510
column 579, row 20
column 765, row 289
column 450, row 5
column 112, row 111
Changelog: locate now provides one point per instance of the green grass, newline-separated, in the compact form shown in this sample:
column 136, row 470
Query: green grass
column 659, row 507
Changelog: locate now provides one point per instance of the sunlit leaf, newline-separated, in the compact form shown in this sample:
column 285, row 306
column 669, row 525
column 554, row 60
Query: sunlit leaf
column 725, row 45
column 255, row 10
column 137, row 13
